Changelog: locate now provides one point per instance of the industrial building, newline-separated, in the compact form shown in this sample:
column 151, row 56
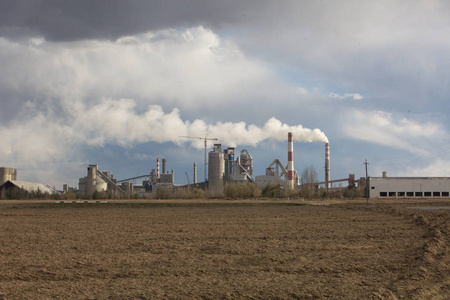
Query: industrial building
column 98, row 181
column 274, row 173
column 408, row 187
column 159, row 179
column 225, row 169
column 8, row 181
column 26, row 186
column 226, row 166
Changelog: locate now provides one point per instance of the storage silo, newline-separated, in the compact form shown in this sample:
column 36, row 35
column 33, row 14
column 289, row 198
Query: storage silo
column 7, row 174
column 92, row 183
column 216, row 170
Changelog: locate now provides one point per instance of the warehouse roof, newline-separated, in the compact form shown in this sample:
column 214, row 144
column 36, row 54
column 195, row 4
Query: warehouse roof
column 28, row 186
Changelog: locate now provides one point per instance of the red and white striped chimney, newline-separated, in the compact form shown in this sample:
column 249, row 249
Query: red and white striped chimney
column 327, row 165
column 290, row 167
column 157, row 168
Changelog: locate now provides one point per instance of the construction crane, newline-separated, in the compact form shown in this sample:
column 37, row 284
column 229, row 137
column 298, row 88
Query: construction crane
column 206, row 139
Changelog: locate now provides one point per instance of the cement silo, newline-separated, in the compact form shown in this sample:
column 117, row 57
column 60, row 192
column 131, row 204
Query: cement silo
column 216, row 170
column 92, row 182
column 7, row 174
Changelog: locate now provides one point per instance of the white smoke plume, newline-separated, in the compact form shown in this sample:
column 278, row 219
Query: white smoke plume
column 116, row 121
column 234, row 134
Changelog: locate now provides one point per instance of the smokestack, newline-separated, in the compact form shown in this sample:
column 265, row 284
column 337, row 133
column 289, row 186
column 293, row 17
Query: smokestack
column 164, row 166
column 327, row 165
column 157, row 168
column 195, row 173
column 290, row 168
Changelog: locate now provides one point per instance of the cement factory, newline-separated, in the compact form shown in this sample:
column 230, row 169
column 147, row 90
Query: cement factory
column 227, row 167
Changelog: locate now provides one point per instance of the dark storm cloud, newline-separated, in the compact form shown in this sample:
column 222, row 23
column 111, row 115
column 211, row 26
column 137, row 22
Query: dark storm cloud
column 380, row 49
column 110, row 19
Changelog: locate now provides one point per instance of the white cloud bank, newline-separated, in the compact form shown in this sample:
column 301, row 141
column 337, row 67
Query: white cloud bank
column 392, row 131
column 188, row 69
column 413, row 167
column 354, row 96
column 438, row 167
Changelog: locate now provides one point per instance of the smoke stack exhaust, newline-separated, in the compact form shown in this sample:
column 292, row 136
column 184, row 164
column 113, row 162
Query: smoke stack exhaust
column 327, row 165
column 157, row 168
column 195, row 173
column 290, row 168
column 164, row 166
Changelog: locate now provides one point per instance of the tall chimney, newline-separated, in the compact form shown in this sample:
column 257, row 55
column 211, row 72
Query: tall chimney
column 327, row 165
column 195, row 173
column 157, row 168
column 164, row 166
column 290, row 168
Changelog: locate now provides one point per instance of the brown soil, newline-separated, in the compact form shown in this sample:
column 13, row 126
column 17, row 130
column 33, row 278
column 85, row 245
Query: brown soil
column 223, row 251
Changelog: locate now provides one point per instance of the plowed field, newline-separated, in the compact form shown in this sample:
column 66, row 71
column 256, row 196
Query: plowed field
column 223, row 251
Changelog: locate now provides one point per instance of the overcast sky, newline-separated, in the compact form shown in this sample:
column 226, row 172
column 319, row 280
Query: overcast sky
column 116, row 83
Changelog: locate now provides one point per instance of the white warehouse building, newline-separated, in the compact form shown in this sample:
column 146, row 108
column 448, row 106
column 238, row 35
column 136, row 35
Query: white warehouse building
column 409, row 187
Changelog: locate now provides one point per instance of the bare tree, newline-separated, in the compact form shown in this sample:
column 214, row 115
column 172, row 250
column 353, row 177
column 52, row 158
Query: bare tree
column 308, row 180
